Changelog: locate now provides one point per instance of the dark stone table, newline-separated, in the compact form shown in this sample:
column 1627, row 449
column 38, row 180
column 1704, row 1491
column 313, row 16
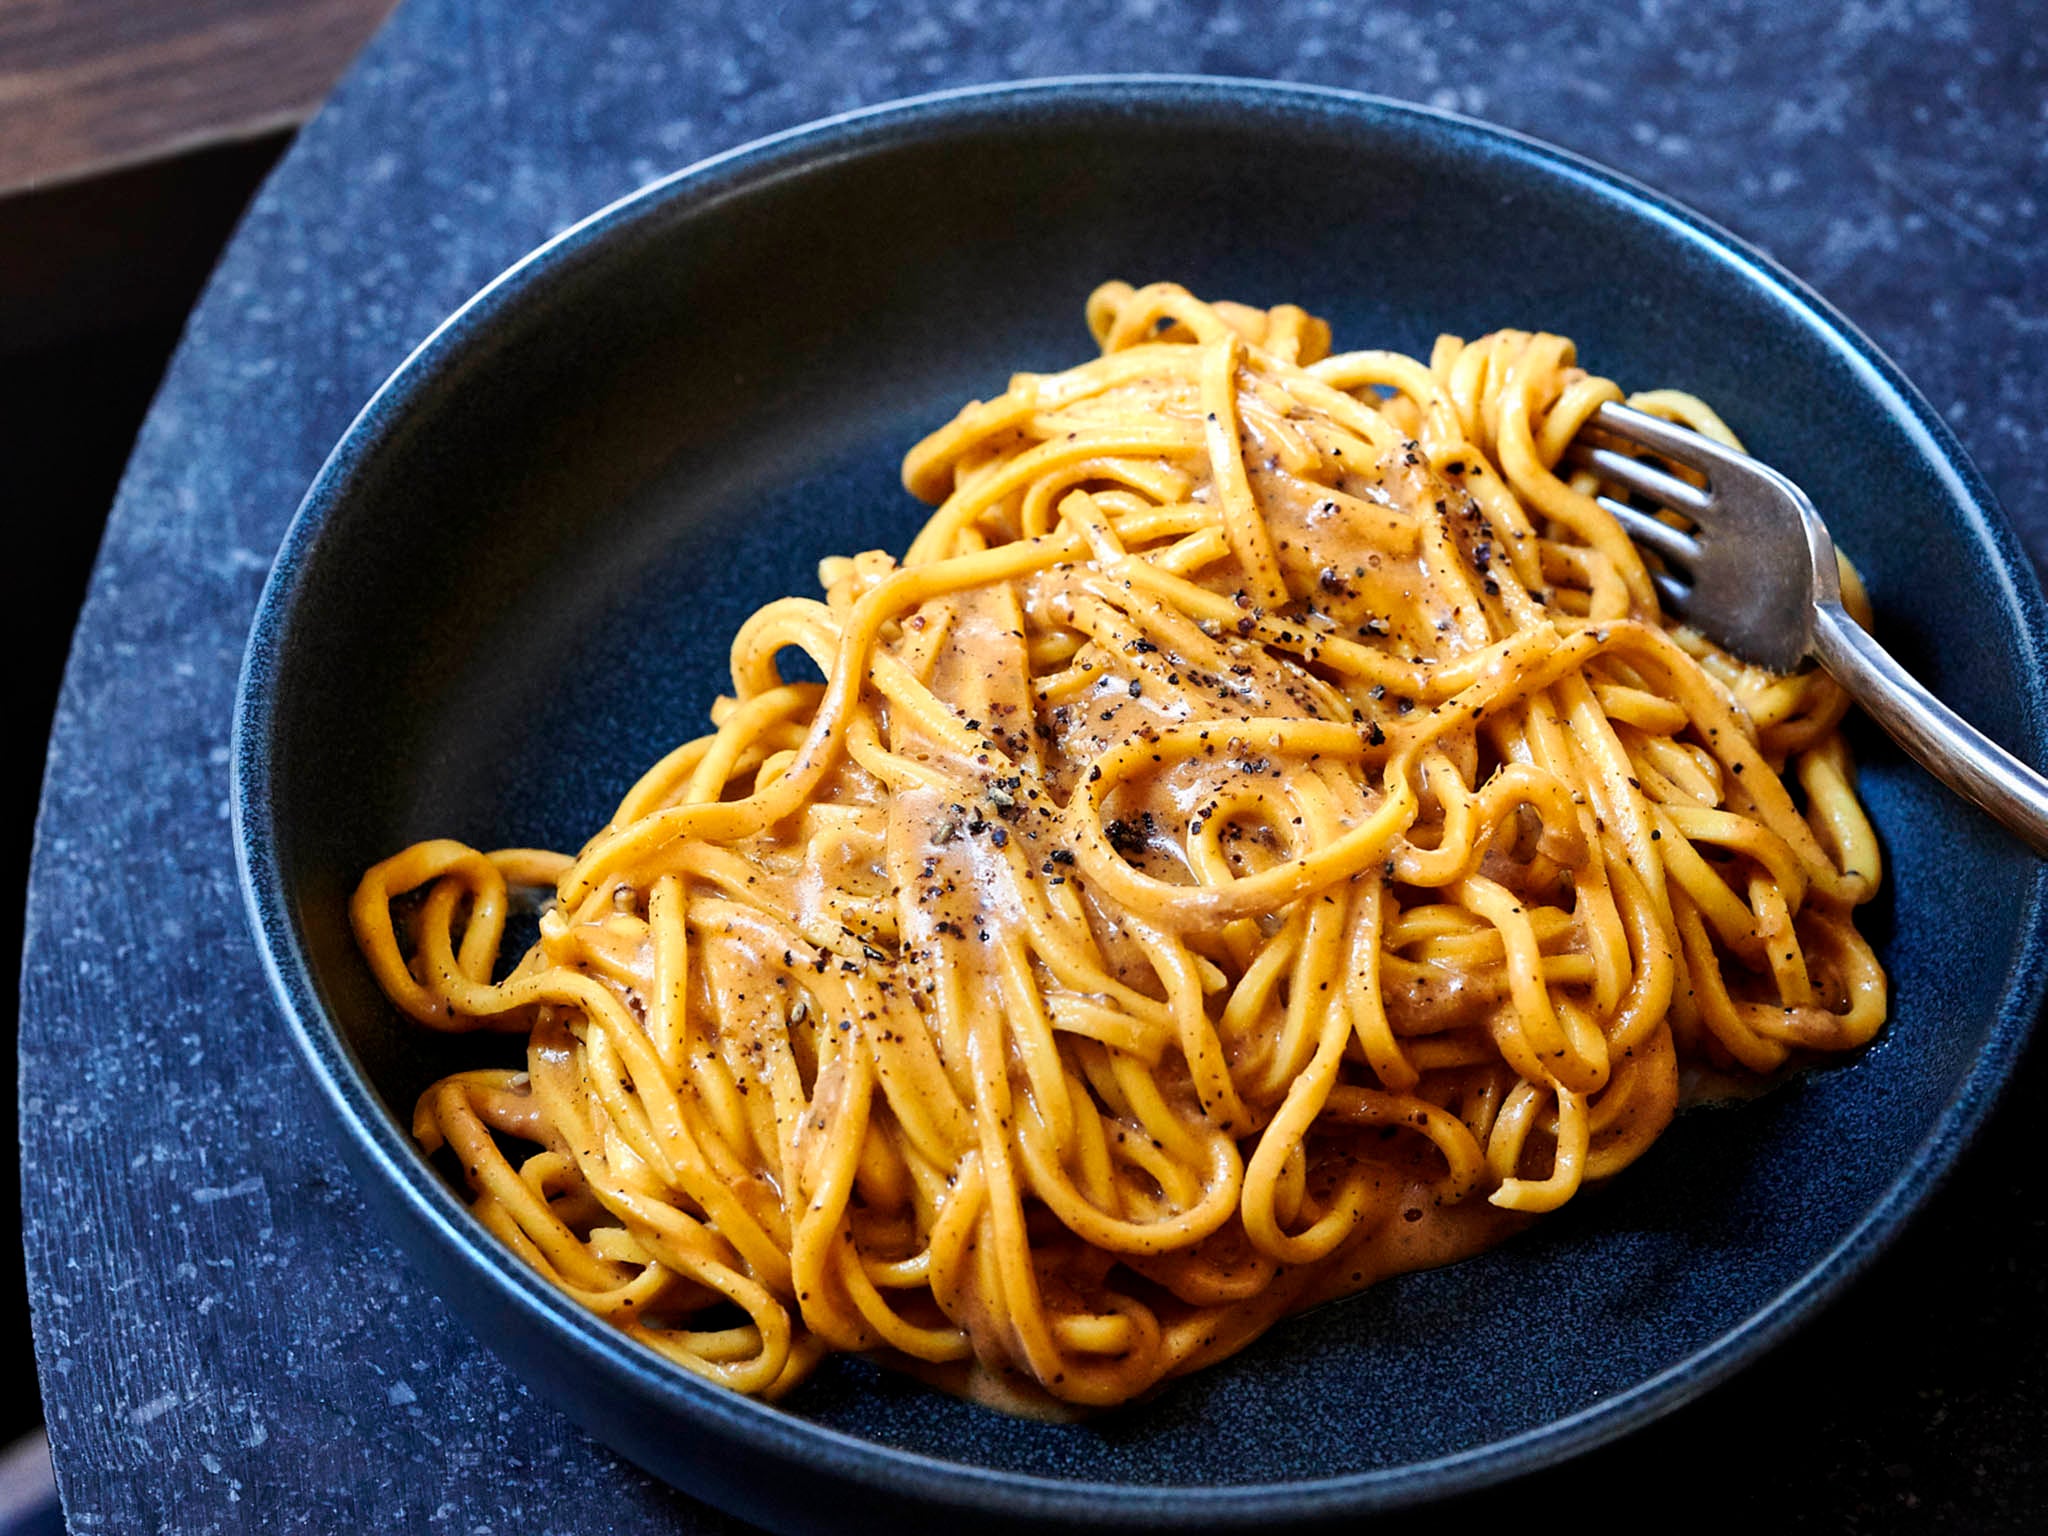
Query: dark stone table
column 225, row 1344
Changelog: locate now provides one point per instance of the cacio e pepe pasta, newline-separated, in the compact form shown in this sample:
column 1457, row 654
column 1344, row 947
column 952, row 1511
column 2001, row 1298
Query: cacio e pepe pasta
column 1262, row 836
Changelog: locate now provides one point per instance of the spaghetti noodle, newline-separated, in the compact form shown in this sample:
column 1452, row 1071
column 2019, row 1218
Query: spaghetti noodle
column 1262, row 836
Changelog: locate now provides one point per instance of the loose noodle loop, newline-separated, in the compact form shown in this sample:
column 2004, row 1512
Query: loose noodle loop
column 1262, row 837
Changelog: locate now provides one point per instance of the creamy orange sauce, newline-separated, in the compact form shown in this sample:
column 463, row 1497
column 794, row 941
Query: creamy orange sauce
column 1260, row 838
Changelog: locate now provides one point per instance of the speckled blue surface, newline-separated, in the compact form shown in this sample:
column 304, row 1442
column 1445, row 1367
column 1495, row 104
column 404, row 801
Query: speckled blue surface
column 281, row 1363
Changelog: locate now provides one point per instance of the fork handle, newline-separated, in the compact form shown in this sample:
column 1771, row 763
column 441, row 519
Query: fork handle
column 1939, row 739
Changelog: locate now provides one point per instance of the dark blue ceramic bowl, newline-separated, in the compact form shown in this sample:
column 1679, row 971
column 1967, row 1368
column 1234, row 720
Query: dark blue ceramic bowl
column 513, row 584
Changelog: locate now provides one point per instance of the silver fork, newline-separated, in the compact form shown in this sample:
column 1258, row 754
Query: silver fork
column 1757, row 576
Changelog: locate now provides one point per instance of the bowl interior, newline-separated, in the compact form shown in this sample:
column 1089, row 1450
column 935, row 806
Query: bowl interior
column 530, row 557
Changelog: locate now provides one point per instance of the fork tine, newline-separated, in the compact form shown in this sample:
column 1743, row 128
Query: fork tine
column 1682, row 445
column 1653, row 533
column 1644, row 479
column 1671, row 591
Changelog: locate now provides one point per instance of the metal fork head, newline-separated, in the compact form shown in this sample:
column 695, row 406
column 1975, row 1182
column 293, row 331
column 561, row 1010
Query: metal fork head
column 1757, row 560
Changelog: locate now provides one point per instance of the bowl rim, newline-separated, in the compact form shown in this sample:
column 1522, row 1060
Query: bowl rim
column 387, row 1154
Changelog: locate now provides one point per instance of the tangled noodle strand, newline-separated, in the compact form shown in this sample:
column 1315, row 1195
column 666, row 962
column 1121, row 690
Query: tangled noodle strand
column 1262, row 837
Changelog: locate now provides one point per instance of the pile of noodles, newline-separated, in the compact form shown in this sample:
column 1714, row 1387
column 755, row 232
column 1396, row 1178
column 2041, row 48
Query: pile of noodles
column 1262, row 836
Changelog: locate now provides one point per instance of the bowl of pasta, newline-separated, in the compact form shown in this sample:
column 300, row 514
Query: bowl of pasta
column 965, row 818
